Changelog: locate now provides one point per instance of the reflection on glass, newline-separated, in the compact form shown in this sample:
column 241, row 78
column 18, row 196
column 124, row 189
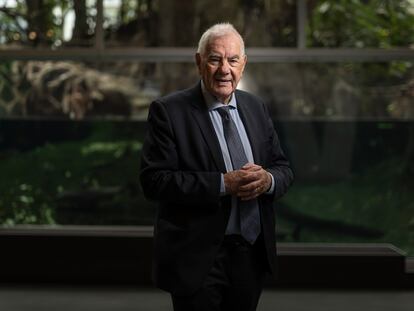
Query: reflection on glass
column 76, row 90
column 51, row 24
column 335, row 90
column 80, row 90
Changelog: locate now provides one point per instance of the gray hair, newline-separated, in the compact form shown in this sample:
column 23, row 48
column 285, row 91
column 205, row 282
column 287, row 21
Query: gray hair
column 217, row 31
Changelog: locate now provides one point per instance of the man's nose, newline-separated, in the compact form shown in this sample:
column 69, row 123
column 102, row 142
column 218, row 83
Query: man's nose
column 224, row 67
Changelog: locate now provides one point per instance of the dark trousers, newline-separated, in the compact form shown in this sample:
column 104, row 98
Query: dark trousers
column 235, row 281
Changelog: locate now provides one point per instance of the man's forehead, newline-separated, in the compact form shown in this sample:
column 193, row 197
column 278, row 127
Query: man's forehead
column 218, row 44
column 228, row 39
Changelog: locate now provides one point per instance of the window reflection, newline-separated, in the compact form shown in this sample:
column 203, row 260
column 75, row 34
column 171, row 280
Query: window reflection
column 78, row 90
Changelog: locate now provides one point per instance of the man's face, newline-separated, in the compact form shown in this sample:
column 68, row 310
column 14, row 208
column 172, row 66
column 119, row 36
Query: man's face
column 222, row 65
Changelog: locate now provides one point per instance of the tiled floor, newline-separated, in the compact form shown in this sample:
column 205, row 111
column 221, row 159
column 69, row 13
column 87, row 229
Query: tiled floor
column 59, row 298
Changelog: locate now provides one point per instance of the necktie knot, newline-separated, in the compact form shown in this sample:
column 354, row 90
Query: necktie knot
column 224, row 113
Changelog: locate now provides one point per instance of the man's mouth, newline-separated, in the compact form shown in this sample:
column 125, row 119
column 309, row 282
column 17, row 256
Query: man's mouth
column 223, row 80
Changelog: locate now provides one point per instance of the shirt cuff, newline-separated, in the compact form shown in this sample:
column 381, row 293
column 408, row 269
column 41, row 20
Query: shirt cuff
column 272, row 186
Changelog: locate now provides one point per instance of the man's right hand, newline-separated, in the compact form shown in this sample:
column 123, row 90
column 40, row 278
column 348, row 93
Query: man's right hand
column 233, row 180
column 247, row 183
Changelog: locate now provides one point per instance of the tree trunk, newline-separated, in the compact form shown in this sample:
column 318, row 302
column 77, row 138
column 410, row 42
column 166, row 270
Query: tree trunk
column 409, row 156
column 80, row 29
column 37, row 19
column 176, row 29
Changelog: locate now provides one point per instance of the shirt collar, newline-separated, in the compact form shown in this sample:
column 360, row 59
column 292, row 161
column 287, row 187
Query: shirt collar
column 213, row 103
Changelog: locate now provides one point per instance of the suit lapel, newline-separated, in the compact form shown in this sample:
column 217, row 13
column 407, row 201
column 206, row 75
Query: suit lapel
column 247, row 115
column 201, row 115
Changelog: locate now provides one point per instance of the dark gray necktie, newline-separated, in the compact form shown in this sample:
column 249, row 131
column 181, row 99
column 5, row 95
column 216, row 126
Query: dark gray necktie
column 249, row 210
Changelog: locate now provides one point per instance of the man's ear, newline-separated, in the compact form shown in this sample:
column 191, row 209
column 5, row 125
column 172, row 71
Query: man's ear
column 198, row 61
column 244, row 61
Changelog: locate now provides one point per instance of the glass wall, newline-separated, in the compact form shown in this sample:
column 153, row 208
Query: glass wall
column 71, row 128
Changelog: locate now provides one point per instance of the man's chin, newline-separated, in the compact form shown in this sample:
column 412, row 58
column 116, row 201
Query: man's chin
column 221, row 94
column 224, row 98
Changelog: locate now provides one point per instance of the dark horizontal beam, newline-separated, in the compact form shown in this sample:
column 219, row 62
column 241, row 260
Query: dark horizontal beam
column 186, row 55
column 77, row 231
column 112, row 54
column 321, row 55
column 82, row 254
column 310, row 249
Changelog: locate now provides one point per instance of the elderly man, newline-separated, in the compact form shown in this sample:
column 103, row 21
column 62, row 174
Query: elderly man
column 213, row 161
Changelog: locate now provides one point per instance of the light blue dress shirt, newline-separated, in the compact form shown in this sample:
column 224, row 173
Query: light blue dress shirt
column 233, row 226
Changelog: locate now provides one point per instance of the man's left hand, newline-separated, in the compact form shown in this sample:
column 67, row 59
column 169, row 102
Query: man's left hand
column 258, row 181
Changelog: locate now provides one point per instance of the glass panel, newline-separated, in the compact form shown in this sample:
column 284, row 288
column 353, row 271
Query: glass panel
column 373, row 24
column 354, row 182
column 71, row 172
column 348, row 129
column 180, row 23
column 47, row 23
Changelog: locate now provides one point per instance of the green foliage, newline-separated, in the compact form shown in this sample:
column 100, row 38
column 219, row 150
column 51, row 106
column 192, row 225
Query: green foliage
column 357, row 23
column 6, row 87
column 51, row 179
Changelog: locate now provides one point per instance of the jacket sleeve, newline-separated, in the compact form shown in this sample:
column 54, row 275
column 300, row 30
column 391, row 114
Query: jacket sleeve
column 161, row 177
column 279, row 165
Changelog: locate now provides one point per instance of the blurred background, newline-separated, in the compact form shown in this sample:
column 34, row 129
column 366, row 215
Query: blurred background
column 77, row 78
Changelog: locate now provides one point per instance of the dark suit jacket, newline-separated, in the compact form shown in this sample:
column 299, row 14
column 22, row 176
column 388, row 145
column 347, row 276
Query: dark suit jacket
column 181, row 169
